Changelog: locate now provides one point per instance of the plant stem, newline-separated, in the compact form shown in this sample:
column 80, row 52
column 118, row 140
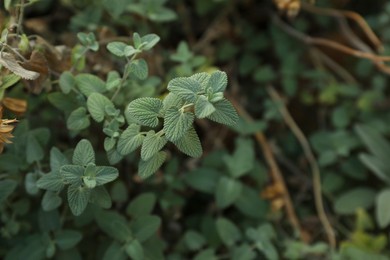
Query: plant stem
column 124, row 77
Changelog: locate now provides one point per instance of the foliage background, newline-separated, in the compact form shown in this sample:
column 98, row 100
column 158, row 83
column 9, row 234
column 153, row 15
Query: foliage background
column 310, row 146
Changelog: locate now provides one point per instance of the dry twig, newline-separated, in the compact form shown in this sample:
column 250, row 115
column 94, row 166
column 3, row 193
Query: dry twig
column 313, row 165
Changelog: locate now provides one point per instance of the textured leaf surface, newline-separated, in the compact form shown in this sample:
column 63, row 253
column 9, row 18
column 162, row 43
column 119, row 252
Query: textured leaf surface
column 67, row 82
column 117, row 48
column 203, row 107
column 185, row 88
column 52, row 181
column 147, row 168
column 78, row 198
column 225, row 113
column 139, row 68
column 130, row 139
column 57, row 159
column 105, row 174
column 97, row 104
column 83, row 153
column 78, row 119
column 176, row 123
column 203, row 78
column 190, row 144
column 172, row 100
column 217, row 82
column 146, row 110
column 89, row 84
column 152, row 144
column 9, row 61
column 72, row 173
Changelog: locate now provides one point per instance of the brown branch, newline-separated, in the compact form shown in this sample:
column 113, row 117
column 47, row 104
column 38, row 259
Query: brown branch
column 349, row 14
column 275, row 171
column 313, row 165
column 378, row 60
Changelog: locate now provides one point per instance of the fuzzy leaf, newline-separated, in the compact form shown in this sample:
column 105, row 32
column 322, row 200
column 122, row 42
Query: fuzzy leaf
column 105, row 174
column 186, row 88
column 52, row 181
column 383, row 208
column 217, row 82
column 139, row 68
column 152, row 144
column 203, row 78
column 149, row 41
column 225, row 113
column 9, row 80
column 83, row 153
column 89, row 84
column 176, row 123
column 97, row 104
column 72, row 173
column 67, row 82
column 117, row 48
column 147, row 168
column 203, row 107
column 78, row 198
column 57, row 159
column 172, row 100
column 78, row 119
column 130, row 139
column 146, row 110
column 190, row 144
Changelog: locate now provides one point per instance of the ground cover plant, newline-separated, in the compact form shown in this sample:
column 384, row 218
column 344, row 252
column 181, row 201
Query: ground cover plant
column 211, row 129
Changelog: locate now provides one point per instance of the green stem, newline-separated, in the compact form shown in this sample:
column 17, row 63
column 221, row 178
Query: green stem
column 124, row 77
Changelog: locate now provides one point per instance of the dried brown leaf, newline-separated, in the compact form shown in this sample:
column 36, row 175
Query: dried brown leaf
column 9, row 61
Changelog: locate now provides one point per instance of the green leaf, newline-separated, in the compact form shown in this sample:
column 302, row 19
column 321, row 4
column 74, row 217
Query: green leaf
column 225, row 113
column 114, row 224
column 203, row 108
column 177, row 123
column 72, row 174
column 52, row 181
column 100, row 197
column 228, row 231
column 78, row 119
column 186, row 88
column 217, row 82
column 130, row 139
column 149, row 41
column 51, row 201
column 377, row 145
column 378, row 167
column 83, row 153
column 190, row 144
column 152, row 143
column 134, row 250
column 105, row 174
column 142, row 205
column 383, row 208
column 227, row 192
column 145, row 227
column 67, row 82
column 351, row 200
column 146, row 110
column 243, row 252
column 89, row 176
column 203, row 78
column 139, row 68
column 194, row 240
column 115, row 252
column 117, row 48
column 206, row 254
column 6, row 189
column 137, row 41
column 34, row 150
column 89, row 84
column 172, row 100
column 30, row 183
column 147, row 168
column 203, row 179
column 109, row 143
column 67, row 239
column 250, row 203
column 8, row 81
column 78, row 198
column 243, row 158
column 113, row 80
column 57, row 159
column 97, row 104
